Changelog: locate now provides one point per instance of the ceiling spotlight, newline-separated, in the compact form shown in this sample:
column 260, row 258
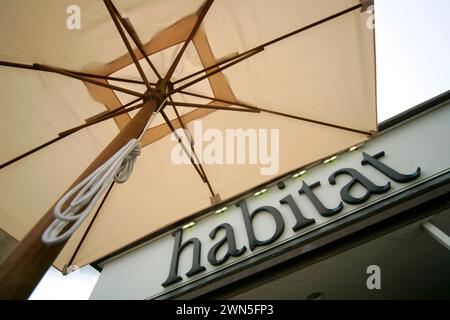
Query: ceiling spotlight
column 222, row 210
column 189, row 225
column 260, row 192
column 356, row 147
column 298, row 174
column 330, row 159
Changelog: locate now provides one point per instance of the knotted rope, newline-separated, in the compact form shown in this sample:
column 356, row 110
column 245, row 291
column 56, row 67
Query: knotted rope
column 87, row 192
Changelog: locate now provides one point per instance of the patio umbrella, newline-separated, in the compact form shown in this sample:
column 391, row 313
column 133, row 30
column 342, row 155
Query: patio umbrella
column 126, row 74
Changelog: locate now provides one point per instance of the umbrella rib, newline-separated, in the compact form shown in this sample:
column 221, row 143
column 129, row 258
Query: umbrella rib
column 4, row 165
column 309, row 26
column 180, row 141
column 219, row 69
column 90, row 75
column 280, row 113
column 193, row 149
column 134, row 36
column 75, row 76
column 218, row 64
column 84, row 74
column 107, row 113
column 217, row 99
column 206, row 106
column 109, row 5
column 85, row 233
column 287, row 115
column 197, row 24
column 258, row 49
column 268, row 43
column 67, row 133
column 116, row 112
column 100, row 119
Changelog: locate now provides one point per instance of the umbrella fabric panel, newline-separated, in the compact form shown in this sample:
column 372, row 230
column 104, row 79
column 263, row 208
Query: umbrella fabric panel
column 35, row 31
column 326, row 72
column 37, row 106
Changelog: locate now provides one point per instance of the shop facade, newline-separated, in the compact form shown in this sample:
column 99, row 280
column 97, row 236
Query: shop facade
column 369, row 222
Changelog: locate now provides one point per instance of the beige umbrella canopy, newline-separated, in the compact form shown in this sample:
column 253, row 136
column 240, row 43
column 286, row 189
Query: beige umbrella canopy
column 304, row 67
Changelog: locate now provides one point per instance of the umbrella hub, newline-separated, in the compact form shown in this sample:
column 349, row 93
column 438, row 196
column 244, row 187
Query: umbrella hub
column 164, row 88
column 151, row 95
column 159, row 93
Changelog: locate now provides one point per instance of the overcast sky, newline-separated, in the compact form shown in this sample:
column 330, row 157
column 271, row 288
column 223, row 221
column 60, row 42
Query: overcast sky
column 413, row 50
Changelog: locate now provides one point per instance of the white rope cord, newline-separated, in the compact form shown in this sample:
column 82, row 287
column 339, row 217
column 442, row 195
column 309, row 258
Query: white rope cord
column 87, row 192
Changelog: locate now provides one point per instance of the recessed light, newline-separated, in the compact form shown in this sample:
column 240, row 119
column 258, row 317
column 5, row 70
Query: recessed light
column 260, row 192
column 222, row 210
column 187, row 226
column 298, row 174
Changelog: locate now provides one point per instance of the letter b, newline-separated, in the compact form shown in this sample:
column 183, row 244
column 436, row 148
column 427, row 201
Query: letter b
column 248, row 221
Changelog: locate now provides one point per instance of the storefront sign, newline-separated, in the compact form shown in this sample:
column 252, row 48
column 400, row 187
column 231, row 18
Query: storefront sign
column 254, row 226
column 306, row 190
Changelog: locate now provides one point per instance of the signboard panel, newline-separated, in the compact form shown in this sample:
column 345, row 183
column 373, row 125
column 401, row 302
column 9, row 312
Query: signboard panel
column 395, row 161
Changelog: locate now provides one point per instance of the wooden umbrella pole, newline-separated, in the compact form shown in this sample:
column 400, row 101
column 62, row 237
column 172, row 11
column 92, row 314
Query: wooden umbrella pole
column 27, row 264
